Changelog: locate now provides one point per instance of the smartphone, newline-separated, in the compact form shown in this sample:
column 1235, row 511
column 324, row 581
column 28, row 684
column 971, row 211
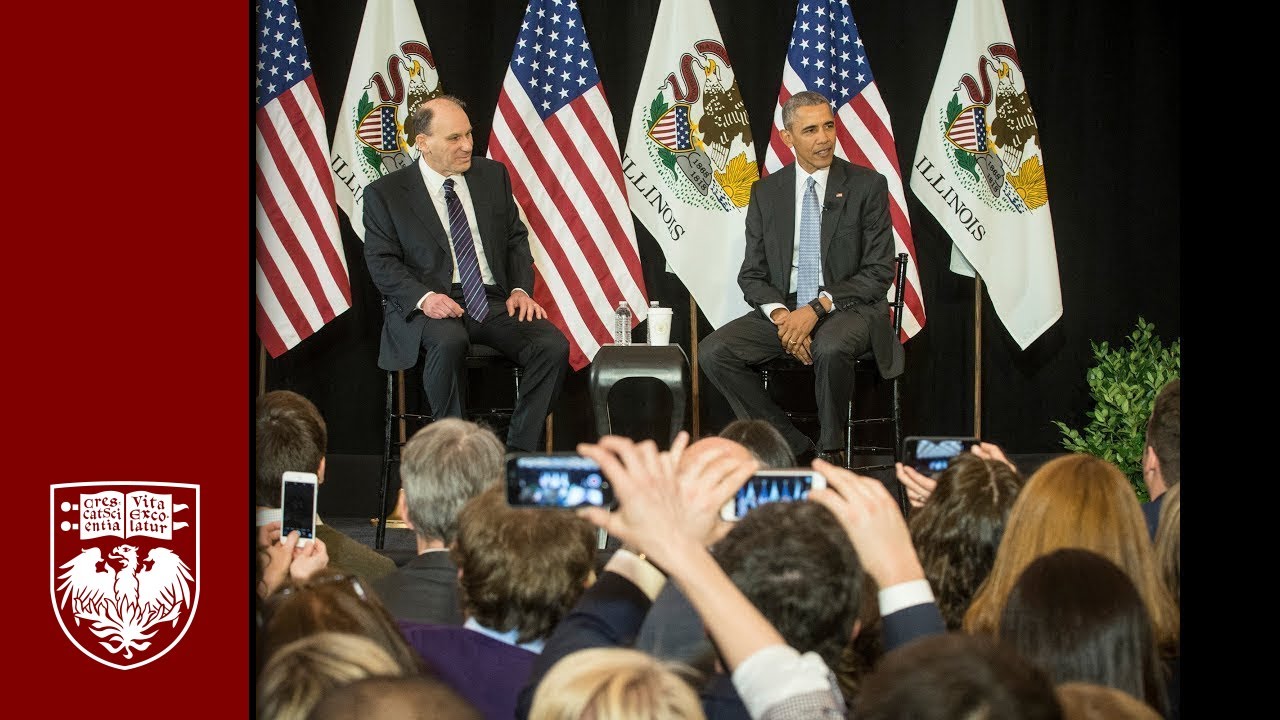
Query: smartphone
column 769, row 486
column 932, row 455
column 298, row 505
column 556, row 480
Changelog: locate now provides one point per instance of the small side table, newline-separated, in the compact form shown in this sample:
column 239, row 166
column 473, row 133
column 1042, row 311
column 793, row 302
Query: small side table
column 666, row 363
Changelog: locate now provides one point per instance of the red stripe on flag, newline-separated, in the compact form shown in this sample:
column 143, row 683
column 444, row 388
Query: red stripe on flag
column 875, row 125
column 600, row 139
column 278, row 288
column 302, row 266
column 267, row 332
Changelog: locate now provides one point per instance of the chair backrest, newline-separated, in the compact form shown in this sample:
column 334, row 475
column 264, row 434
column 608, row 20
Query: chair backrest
column 899, row 293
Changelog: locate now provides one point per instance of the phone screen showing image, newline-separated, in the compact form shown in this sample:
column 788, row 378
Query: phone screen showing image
column 933, row 456
column 298, row 509
column 767, row 488
column 557, row 481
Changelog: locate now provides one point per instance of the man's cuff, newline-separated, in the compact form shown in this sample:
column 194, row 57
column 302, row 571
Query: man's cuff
column 905, row 595
column 768, row 309
column 638, row 570
column 424, row 299
column 515, row 290
column 827, row 295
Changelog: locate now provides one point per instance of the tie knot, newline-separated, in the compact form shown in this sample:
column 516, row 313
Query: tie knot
column 810, row 183
column 448, row 186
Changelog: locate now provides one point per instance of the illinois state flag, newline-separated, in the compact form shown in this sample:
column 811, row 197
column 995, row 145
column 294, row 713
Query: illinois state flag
column 979, row 169
column 392, row 72
column 827, row 56
column 689, row 161
column 554, row 132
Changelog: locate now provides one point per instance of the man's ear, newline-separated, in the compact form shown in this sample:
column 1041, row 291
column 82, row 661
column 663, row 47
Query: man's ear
column 320, row 472
column 402, row 511
column 1149, row 460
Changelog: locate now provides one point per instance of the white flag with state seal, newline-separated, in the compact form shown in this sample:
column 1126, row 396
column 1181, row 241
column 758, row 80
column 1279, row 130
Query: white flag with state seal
column 392, row 72
column 689, row 162
column 979, row 169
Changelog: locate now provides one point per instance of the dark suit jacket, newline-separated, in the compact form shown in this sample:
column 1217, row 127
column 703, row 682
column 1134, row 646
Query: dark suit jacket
column 425, row 590
column 857, row 249
column 352, row 556
column 407, row 248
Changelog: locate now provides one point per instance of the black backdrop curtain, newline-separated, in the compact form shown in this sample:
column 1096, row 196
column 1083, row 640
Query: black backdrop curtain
column 1103, row 79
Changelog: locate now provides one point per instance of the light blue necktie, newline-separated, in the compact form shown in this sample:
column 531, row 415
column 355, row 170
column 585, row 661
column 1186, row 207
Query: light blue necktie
column 465, row 249
column 807, row 272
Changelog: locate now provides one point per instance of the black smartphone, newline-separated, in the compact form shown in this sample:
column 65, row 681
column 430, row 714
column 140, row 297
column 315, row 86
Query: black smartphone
column 766, row 486
column 298, row 505
column 932, row 455
column 556, row 480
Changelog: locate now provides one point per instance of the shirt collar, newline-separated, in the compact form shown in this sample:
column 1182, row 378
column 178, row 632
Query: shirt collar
column 434, row 180
column 509, row 637
column 819, row 176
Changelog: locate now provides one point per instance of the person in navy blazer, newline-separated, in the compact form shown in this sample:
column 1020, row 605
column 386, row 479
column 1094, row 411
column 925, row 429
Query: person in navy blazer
column 410, row 254
column 850, row 315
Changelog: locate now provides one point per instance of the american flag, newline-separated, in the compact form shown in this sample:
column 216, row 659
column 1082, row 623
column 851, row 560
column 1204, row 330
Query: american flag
column 969, row 131
column 554, row 131
column 301, row 273
column 826, row 55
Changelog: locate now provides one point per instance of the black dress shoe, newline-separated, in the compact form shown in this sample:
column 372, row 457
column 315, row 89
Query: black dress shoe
column 805, row 457
column 835, row 457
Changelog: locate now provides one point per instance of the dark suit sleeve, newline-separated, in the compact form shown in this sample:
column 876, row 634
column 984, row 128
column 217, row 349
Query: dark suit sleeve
column 384, row 255
column 608, row 614
column 875, row 269
column 753, row 278
column 901, row 627
column 519, row 257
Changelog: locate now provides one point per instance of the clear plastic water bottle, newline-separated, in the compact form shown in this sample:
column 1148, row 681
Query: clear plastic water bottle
column 622, row 324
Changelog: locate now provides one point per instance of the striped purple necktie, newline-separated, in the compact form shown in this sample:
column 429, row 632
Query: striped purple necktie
column 465, row 249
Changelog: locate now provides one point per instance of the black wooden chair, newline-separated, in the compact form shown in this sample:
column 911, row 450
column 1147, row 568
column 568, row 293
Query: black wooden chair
column 864, row 368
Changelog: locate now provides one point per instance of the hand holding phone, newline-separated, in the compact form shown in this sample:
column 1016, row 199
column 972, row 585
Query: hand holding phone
column 767, row 486
column 556, row 480
column 298, row 505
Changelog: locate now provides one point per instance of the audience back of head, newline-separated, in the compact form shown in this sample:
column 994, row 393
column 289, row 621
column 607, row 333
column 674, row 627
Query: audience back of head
column 413, row 697
column 763, row 440
column 1164, row 431
column 335, row 602
column 289, row 434
column 614, row 684
column 1080, row 501
column 954, row 675
column 444, row 465
column 957, row 531
column 1080, row 618
column 521, row 568
column 298, row 673
column 1087, row 701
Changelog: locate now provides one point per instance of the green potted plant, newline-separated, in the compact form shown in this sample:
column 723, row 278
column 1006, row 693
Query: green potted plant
column 1123, row 383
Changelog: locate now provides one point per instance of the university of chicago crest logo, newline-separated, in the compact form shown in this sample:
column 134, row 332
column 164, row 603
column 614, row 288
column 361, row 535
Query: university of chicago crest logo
column 125, row 567
column 994, row 138
column 698, row 129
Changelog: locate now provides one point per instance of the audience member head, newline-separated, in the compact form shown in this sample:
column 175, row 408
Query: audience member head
column 954, row 675
column 410, row 697
column 957, row 531
column 444, row 465
column 795, row 562
column 1080, row 501
column 297, row 674
column 1169, row 542
column 860, row 657
column 1162, row 459
column 1087, row 701
column 615, row 684
column 337, row 602
column 289, row 434
column 763, row 440
column 1079, row 617
column 521, row 568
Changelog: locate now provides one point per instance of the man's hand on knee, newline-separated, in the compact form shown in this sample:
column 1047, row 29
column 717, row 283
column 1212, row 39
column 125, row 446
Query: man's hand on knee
column 439, row 305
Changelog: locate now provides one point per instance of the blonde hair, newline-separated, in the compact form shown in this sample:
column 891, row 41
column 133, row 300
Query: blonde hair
column 1087, row 701
column 296, row 676
column 1169, row 542
column 1077, row 501
column 615, row 684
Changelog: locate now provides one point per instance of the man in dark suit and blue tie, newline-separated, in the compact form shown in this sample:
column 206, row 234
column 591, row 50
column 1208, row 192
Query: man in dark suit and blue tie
column 817, row 267
column 446, row 247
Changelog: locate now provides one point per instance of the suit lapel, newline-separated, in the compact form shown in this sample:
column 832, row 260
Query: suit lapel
column 416, row 189
column 785, row 217
column 837, row 193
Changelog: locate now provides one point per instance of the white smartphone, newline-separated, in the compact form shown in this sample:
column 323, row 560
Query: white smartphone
column 298, row 505
column 768, row 486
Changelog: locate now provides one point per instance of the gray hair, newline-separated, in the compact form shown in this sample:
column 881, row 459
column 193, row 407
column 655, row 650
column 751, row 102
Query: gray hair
column 444, row 465
column 804, row 98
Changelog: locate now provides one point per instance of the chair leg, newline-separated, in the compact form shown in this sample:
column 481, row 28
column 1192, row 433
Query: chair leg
column 380, row 536
column 848, row 435
column 897, row 444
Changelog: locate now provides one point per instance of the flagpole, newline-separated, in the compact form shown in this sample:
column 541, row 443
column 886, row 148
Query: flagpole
column 262, row 370
column 977, row 356
column 693, row 347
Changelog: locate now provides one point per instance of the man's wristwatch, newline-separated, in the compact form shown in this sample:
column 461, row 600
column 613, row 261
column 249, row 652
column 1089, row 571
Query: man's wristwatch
column 816, row 304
